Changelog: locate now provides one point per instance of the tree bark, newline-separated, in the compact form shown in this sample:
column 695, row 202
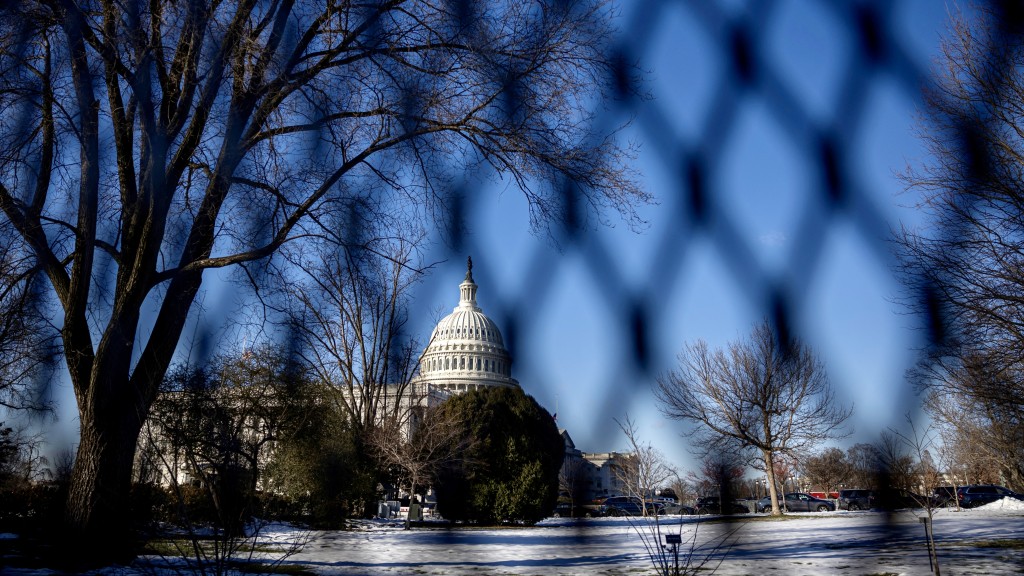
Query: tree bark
column 98, row 521
column 769, row 463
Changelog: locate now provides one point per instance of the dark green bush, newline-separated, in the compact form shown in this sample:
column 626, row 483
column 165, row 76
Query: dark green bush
column 32, row 507
column 150, row 504
column 510, row 472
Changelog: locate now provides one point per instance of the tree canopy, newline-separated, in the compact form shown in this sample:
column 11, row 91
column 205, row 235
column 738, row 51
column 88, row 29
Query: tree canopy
column 510, row 471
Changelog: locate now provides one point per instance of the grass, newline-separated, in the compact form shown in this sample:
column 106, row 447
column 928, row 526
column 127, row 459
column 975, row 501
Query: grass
column 174, row 547
column 288, row 569
column 758, row 518
column 1006, row 544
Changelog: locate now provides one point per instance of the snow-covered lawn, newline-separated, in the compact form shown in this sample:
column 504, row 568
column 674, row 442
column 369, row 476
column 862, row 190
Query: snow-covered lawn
column 812, row 543
column 987, row 540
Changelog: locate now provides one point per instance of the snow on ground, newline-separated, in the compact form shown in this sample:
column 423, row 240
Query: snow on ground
column 843, row 543
column 985, row 540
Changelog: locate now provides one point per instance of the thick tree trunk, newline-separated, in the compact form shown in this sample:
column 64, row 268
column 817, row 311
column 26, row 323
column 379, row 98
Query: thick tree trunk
column 98, row 515
column 769, row 462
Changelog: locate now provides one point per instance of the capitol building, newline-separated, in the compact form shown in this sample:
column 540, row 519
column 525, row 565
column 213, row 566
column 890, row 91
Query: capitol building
column 466, row 352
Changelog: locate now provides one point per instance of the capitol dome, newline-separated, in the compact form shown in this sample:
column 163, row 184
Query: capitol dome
column 466, row 350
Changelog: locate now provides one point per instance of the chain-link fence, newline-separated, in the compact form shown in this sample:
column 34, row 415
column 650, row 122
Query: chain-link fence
column 769, row 140
column 797, row 114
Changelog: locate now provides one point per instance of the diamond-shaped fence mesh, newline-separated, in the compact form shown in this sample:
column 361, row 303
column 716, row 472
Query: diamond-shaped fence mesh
column 769, row 141
column 796, row 101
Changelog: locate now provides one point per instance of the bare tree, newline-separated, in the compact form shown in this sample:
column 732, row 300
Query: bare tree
column 14, row 470
column 975, row 400
column 63, row 464
column 918, row 442
column 350, row 315
column 415, row 448
column 220, row 425
column 27, row 342
column 959, row 455
column 644, row 469
column 897, row 467
column 963, row 267
column 786, row 471
column 208, row 544
column 763, row 397
column 684, row 489
column 865, row 463
column 830, row 469
column 720, row 475
column 149, row 142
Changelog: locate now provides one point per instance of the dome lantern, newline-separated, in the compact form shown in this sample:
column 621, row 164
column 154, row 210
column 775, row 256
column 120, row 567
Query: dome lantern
column 467, row 290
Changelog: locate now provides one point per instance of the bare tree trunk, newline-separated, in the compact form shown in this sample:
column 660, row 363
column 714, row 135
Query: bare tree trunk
column 97, row 516
column 769, row 462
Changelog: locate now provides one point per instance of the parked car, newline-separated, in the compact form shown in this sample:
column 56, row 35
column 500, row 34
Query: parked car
column 981, row 494
column 801, row 502
column 856, row 499
column 567, row 510
column 764, row 505
column 629, row 506
column 791, row 503
column 713, row 505
column 562, row 510
column 944, row 496
column 679, row 510
column 897, row 498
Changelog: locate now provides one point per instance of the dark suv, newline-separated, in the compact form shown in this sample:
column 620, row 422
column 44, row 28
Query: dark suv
column 628, row 506
column 713, row 505
column 856, row 499
column 943, row 496
column 981, row 494
column 897, row 498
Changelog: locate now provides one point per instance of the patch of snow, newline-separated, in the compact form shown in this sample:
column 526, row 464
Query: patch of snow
column 1003, row 504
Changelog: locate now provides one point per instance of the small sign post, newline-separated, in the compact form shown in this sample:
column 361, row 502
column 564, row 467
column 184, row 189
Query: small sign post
column 674, row 540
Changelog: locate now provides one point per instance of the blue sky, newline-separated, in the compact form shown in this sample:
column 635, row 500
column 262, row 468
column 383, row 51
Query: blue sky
column 573, row 347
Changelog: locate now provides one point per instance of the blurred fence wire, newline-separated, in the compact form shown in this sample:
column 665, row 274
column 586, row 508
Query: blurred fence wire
column 873, row 52
column 735, row 42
